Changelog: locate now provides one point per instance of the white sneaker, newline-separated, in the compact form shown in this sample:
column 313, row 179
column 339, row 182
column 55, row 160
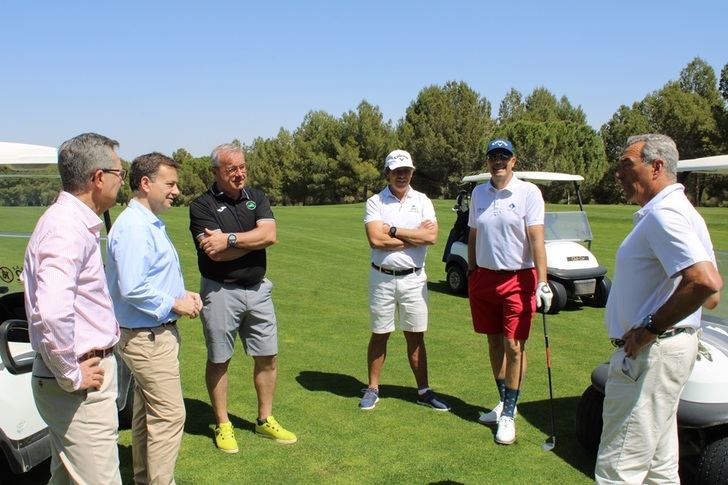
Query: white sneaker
column 493, row 416
column 506, row 431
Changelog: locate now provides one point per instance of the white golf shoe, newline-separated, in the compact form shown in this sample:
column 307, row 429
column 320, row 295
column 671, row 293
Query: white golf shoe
column 506, row 433
column 493, row 416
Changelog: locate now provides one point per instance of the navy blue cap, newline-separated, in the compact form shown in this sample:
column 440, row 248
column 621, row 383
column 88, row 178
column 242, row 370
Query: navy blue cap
column 500, row 144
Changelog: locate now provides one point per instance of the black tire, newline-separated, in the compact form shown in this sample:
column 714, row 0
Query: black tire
column 127, row 413
column 457, row 279
column 589, row 419
column 601, row 293
column 713, row 465
column 559, row 300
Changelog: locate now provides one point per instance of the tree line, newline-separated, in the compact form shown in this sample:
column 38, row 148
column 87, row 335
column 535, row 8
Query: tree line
column 331, row 160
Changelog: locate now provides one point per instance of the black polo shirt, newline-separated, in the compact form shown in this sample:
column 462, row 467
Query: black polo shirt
column 215, row 210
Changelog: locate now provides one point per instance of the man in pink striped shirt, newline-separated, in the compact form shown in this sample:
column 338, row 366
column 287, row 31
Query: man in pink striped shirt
column 71, row 317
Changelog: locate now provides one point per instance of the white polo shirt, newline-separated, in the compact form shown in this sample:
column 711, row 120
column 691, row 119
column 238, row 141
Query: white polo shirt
column 668, row 236
column 408, row 213
column 501, row 218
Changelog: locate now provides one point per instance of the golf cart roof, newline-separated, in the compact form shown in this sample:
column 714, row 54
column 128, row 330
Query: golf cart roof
column 20, row 156
column 535, row 177
column 716, row 164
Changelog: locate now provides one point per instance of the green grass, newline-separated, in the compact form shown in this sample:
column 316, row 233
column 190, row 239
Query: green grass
column 319, row 268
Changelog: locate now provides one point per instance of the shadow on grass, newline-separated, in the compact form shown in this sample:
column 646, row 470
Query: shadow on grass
column 200, row 419
column 347, row 386
column 538, row 414
column 126, row 464
column 442, row 287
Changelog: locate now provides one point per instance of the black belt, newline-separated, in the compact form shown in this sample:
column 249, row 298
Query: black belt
column 395, row 272
column 619, row 343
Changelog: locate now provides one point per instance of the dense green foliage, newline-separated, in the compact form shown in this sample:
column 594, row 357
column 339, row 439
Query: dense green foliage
column 330, row 159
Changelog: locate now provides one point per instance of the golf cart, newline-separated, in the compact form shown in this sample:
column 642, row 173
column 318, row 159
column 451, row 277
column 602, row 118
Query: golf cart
column 702, row 415
column 573, row 271
column 24, row 440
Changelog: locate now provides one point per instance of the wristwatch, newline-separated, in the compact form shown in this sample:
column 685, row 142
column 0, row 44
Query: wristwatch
column 648, row 325
column 232, row 240
column 393, row 231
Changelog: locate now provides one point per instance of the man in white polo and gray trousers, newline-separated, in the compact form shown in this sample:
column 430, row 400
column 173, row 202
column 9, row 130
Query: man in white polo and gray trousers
column 400, row 223
column 664, row 272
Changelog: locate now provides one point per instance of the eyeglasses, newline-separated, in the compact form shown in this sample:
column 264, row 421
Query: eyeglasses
column 499, row 157
column 120, row 172
column 236, row 168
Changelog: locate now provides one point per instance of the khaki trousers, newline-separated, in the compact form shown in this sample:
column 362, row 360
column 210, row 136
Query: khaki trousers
column 152, row 355
column 83, row 429
column 639, row 441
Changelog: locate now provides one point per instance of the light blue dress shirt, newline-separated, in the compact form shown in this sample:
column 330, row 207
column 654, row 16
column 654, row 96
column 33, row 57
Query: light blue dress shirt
column 143, row 269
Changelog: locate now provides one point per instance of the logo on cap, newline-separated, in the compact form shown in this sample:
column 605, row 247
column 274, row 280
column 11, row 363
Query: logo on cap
column 500, row 144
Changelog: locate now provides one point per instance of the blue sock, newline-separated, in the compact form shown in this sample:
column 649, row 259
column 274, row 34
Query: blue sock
column 509, row 403
column 501, row 383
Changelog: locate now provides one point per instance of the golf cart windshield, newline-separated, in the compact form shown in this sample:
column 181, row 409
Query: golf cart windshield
column 567, row 226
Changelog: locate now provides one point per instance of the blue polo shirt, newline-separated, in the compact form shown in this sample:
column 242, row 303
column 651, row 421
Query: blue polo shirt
column 143, row 269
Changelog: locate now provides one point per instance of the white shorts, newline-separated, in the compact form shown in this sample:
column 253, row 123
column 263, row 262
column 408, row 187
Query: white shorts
column 405, row 296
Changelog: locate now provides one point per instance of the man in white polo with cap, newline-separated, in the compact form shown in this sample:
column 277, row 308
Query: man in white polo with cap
column 400, row 223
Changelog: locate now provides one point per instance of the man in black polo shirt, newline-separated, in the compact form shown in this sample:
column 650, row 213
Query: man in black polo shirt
column 232, row 225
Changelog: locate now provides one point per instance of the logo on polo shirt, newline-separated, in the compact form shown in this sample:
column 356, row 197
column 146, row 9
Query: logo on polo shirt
column 222, row 208
column 250, row 205
column 512, row 206
column 413, row 208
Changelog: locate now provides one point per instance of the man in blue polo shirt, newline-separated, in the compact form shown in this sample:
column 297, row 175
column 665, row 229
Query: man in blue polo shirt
column 145, row 282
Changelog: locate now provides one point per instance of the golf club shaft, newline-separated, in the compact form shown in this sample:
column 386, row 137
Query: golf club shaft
column 548, row 368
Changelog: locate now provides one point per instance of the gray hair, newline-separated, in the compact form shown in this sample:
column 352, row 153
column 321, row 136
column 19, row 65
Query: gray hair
column 224, row 148
column 81, row 156
column 658, row 147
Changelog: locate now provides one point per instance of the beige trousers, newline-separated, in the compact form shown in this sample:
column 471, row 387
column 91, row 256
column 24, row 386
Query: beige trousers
column 639, row 439
column 83, row 429
column 159, row 409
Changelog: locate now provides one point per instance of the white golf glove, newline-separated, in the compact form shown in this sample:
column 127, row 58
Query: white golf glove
column 543, row 296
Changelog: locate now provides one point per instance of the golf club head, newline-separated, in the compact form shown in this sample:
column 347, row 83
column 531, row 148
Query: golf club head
column 550, row 444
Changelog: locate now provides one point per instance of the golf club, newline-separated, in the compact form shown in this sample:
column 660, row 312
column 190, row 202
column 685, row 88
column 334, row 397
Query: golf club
column 550, row 443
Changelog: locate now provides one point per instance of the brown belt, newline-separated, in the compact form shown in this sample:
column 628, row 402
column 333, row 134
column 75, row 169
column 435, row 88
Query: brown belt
column 100, row 353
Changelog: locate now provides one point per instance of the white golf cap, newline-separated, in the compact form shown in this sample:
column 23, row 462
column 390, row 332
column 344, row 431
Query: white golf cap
column 398, row 159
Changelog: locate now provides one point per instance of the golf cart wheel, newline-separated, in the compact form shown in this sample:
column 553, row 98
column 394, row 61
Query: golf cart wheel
column 589, row 419
column 601, row 293
column 559, row 300
column 457, row 279
column 713, row 466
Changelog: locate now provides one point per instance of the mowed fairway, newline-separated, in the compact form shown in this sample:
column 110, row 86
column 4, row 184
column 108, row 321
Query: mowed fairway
column 319, row 269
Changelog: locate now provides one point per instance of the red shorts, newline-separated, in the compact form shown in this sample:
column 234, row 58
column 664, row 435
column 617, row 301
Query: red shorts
column 503, row 301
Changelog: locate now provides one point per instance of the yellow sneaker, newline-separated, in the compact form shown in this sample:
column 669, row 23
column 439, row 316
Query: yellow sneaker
column 225, row 438
column 271, row 429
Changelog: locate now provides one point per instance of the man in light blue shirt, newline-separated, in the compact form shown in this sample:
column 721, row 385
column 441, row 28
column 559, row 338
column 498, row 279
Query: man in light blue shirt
column 146, row 285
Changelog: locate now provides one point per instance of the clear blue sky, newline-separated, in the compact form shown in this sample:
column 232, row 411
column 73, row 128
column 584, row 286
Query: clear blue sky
column 162, row 75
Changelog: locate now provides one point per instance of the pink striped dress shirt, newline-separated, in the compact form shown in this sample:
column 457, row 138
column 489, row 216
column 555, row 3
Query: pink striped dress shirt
column 67, row 301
